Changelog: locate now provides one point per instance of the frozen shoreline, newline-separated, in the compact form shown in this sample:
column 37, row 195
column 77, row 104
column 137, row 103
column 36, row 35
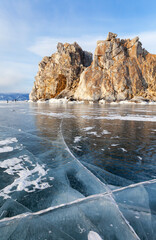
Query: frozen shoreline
column 67, row 101
column 100, row 102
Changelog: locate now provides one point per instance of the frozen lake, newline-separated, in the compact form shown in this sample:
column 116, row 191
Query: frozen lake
column 77, row 171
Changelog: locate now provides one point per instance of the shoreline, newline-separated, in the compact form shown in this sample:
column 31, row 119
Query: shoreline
column 100, row 102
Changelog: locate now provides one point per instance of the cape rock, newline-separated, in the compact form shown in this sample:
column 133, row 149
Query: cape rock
column 121, row 69
column 59, row 75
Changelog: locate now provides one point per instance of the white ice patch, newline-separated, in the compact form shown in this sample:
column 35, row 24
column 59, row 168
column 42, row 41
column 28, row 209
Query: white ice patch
column 8, row 141
column 41, row 101
column 142, row 118
column 58, row 101
column 102, row 101
column 105, row 132
column 6, row 149
column 123, row 149
column 114, row 145
column 88, row 129
column 93, row 133
column 116, row 137
column 114, row 103
column 77, row 139
column 93, row 236
column 152, row 103
column 10, row 163
column 32, row 177
column 126, row 102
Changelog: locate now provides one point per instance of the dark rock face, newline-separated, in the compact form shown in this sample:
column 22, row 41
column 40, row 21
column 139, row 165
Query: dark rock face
column 58, row 75
column 121, row 69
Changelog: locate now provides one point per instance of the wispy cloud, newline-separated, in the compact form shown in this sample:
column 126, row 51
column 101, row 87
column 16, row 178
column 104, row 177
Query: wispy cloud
column 148, row 40
column 31, row 29
column 45, row 46
column 16, row 77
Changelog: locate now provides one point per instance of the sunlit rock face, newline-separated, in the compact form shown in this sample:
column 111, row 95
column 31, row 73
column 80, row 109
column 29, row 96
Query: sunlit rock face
column 121, row 69
column 58, row 75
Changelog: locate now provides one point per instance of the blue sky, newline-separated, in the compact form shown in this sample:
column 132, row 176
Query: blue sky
column 31, row 29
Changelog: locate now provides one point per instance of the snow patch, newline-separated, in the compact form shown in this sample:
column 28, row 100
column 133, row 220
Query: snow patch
column 93, row 133
column 102, row 101
column 123, row 149
column 6, row 149
column 93, row 236
column 143, row 118
column 58, row 101
column 22, row 167
column 77, row 139
column 88, row 129
column 8, row 141
column 105, row 132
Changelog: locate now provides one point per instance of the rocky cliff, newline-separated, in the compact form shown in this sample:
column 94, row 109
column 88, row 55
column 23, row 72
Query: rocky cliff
column 59, row 75
column 121, row 69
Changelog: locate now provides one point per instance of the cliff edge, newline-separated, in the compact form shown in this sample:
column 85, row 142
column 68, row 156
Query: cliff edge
column 59, row 75
column 121, row 69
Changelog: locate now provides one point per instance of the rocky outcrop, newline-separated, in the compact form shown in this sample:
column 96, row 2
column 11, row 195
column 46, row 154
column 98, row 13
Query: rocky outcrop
column 59, row 75
column 121, row 69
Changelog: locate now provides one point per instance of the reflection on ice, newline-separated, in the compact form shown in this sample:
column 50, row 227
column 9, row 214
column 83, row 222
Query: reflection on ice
column 70, row 177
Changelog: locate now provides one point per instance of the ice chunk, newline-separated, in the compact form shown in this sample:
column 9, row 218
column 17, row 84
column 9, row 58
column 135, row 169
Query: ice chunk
column 105, row 132
column 88, row 128
column 8, row 141
column 6, row 149
column 93, row 236
column 77, row 139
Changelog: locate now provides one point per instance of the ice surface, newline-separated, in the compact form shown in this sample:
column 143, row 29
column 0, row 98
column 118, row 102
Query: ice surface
column 143, row 118
column 73, row 177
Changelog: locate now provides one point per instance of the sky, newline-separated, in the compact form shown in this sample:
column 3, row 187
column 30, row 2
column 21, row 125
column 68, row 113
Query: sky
column 31, row 29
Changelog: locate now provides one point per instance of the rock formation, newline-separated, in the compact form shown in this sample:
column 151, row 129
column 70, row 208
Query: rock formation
column 58, row 75
column 121, row 69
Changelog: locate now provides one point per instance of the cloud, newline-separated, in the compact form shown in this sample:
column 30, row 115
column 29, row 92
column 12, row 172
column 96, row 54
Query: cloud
column 45, row 46
column 148, row 40
column 16, row 77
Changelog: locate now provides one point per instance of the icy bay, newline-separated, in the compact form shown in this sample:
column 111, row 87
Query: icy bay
column 77, row 171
